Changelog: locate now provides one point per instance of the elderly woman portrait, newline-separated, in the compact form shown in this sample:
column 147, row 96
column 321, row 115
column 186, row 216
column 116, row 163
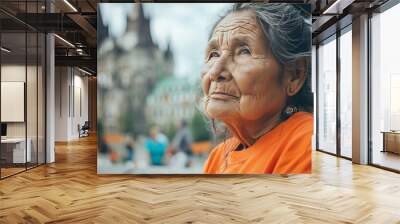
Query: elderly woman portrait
column 256, row 81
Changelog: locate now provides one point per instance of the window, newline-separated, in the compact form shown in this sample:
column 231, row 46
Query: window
column 346, row 94
column 327, row 96
column 385, row 88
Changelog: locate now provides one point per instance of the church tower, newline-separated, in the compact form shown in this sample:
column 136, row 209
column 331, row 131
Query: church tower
column 169, row 59
column 140, row 24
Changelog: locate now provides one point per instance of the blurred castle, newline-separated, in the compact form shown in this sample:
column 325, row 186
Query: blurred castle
column 128, row 68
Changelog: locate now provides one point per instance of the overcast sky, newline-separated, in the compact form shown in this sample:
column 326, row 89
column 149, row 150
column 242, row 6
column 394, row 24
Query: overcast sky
column 186, row 25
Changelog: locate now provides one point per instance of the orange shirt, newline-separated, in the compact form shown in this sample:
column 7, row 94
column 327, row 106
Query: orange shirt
column 286, row 149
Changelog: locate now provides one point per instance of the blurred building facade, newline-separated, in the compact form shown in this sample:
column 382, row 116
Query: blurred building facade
column 129, row 67
column 173, row 100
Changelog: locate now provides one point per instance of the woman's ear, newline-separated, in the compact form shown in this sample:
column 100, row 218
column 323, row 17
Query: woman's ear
column 296, row 77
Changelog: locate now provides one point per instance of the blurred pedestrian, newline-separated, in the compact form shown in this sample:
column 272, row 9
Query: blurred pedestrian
column 181, row 145
column 155, row 148
column 161, row 137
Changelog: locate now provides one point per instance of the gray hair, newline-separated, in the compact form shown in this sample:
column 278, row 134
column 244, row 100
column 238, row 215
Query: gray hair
column 287, row 28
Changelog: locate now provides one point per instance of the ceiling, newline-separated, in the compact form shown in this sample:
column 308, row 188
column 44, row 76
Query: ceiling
column 76, row 21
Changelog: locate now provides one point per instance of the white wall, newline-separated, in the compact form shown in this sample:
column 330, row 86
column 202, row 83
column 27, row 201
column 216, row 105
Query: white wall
column 61, row 103
column 80, row 89
column 70, row 84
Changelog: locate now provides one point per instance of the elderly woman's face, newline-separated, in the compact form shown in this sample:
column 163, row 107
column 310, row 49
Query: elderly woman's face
column 241, row 76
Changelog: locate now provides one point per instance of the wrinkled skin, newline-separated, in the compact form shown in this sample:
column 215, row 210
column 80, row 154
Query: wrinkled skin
column 244, row 85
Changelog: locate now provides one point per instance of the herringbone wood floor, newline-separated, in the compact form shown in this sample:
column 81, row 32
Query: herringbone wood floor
column 70, row 191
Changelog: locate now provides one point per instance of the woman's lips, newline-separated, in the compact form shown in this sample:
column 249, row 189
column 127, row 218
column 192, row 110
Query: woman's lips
column 222, row 96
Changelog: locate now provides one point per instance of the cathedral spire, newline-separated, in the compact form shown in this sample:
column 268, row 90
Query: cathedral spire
column 140, row 12
column 168, row 54
column 144, row 33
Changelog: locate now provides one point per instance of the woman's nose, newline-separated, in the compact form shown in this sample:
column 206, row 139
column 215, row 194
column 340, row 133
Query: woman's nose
column 220, row 71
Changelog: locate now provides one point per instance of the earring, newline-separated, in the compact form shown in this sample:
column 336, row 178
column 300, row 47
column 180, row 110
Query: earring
column 290, row 110
column 290, row 90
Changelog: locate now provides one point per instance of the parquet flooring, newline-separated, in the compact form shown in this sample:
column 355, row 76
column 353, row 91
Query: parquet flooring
column 70, row 191
column 10, row 171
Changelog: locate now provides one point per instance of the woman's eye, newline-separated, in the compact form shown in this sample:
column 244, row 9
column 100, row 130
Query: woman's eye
column 213, row 54
column 244, row 51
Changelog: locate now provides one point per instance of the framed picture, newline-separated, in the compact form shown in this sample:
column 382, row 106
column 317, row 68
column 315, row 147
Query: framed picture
column 204, row 88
